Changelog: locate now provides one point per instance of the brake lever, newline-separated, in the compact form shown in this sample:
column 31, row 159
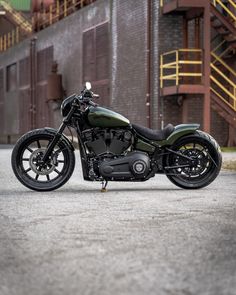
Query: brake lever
column 96, row 95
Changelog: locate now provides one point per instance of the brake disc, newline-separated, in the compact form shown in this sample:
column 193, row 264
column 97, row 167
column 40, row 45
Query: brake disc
column 200, row 160
column 36, row 166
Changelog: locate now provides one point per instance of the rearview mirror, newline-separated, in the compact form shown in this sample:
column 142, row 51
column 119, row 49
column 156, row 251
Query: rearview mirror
column 88, row 85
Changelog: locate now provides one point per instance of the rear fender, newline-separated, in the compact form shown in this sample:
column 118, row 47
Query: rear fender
column 179, row 131
column 63, row 137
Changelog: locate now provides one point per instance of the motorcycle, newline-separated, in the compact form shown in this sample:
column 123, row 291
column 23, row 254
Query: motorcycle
column 113, row 149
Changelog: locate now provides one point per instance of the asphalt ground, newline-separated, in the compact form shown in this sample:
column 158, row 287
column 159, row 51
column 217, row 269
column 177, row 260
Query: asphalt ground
column 138, row 238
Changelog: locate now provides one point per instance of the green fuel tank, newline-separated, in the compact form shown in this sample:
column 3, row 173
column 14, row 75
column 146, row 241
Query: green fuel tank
column 101, row 117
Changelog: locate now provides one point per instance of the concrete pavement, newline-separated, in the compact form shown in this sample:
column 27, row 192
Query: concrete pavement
column 138, row 238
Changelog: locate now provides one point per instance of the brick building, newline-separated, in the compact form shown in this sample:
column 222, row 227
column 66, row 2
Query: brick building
column 117, row 45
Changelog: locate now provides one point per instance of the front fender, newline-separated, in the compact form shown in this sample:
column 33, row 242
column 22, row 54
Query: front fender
column 63, row 137
column 179, row 131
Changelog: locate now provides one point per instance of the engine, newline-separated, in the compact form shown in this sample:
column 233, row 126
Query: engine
column 107, row 141
column 135, row 165
column 111, row 157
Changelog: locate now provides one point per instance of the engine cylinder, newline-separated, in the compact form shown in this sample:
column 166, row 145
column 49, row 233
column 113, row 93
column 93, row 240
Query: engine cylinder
column 112, row 141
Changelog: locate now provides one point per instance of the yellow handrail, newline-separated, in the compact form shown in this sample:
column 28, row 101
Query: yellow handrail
column 222, row 53
column 190, row 50
column 161, row 71
column 183, row 50
column 222, row 98
column 9, row 39
column 65, row 8
column 18, row 18
column 177, row 68
column 219, row 45
column 223, row 76
column 229, row 1
column 232, row 96
column 170, row 65
column 59, row 10
column 171, row 69
column 229, row 12
column 190, row 62
column 50, row 14
column 224, row 64
column 231, row 92
column 169, row 52
column 177, row 65
column 190, row 74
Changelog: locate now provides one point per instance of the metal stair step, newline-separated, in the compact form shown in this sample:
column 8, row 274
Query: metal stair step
column 213, row 17
column 217, row 26
column 225, row 33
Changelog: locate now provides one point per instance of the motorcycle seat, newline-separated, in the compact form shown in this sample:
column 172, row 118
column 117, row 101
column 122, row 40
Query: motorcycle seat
column 154, row 134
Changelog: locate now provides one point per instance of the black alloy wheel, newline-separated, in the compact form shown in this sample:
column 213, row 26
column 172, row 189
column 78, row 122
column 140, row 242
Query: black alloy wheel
column 29, row 168
column 205, row 163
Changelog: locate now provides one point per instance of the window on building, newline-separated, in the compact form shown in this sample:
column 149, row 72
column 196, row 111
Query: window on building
column 44, row 59
column 24, row 70
column 11, row 77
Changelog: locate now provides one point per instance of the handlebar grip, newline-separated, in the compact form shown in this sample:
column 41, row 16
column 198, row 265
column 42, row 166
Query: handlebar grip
column 96, row 95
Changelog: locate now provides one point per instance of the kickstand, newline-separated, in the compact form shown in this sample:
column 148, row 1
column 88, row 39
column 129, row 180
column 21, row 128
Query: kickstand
column 104, row 185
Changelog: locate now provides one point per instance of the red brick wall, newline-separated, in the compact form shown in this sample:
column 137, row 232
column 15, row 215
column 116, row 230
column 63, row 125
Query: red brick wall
column 170, row 37
column 129, row 63
column 219, row 128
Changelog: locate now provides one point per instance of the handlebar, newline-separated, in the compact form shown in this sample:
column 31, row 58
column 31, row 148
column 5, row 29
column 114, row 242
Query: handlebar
column 86, row 99
column 87, row 95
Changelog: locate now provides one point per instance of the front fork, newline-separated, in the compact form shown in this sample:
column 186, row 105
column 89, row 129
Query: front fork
column 58, row 135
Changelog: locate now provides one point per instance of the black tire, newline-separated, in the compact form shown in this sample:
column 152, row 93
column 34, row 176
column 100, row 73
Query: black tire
column 26, row 154
column 205, row 152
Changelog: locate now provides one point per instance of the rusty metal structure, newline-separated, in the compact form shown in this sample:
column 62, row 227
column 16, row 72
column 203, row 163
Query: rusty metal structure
column 209, row 67
column 47, row 12
column 44, row 13
column 22, row 27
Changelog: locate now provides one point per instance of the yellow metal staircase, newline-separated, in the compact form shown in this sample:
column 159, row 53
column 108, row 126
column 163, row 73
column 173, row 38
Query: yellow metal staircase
column 223, row 20
column 223, row 89
column 227, row 7
column 181, row 70
column 23, row 27
column 18, row 19
column 223, row 77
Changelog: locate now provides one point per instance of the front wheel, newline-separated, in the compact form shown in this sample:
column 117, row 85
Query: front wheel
column 31, row 171
column 196, row 162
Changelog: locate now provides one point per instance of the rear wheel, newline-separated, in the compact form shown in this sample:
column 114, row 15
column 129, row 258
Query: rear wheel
column 31, row 171
column 205, row 163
